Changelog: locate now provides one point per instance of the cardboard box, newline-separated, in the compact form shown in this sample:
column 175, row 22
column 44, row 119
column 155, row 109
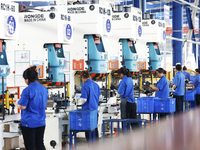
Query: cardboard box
column 6, row 128
column 11, row 127
column 11, row 143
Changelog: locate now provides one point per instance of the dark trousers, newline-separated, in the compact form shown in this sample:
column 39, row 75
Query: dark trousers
column 198, row 100
column 96, row 135
column 163, row 115
column 128, row 111
column 131, row 113
column 179, row 104
column 123, row 108
column 33, row 138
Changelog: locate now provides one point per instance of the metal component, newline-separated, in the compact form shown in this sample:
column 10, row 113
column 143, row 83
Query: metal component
column 119, row 8
column 145, row 16
column 96, row 54
column 126, row 9
column 130, row 55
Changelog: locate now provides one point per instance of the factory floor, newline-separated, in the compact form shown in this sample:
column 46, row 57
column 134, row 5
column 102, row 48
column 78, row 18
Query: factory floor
column 81, row 141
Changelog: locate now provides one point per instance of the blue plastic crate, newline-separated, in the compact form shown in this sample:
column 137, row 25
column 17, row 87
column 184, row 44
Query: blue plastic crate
column 167, row 105
column 83, row 119
column 145, row 104
column 190, row 95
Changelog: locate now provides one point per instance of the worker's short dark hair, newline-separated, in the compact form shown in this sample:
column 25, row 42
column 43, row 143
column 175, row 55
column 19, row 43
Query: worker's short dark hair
column 161, row 70
column 178, row 67
column 184, row 68
column 85, row 74
column 197, row 70
column 124, row 71
column 30, row 74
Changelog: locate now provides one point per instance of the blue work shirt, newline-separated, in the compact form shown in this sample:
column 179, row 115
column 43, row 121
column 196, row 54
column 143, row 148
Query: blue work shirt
column 163, row 87
column 90, row 91
column 196, row 83
column 34, row 98
column 187, row 75
column 126, row 89
column 179, row 81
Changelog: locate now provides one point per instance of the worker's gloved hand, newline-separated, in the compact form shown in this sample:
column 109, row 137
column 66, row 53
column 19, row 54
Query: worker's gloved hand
column 80, row 101
column 147, row 92
column 187, row 81
column 147, row 83
column 100, row 98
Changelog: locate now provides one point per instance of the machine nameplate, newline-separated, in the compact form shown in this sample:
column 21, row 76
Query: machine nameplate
column 145, row 23
column 34, row 18
column 7, row 7
column 116, row 17
column 76, row 10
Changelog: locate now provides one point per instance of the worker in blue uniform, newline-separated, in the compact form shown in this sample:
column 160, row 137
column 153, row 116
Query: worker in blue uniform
column 162, row 87
column 32, row 103
column 179, row 88
column 126, row 91
column 196, row 84
column 91, row 92
column 186, row 74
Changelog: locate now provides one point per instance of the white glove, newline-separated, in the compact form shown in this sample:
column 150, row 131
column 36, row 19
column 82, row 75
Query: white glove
column 80, row 101
column 100, row 98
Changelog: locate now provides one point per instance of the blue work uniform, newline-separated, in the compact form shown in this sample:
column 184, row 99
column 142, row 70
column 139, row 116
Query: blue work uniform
column 90, row 91
column 127, row 105
column 34, row 98
column 196, row 83
column 163, row 87
column 179, row 81
column 126, row 89
column 187, row 75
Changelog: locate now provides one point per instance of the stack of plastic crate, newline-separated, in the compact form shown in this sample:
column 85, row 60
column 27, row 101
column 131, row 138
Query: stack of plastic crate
column 145, row 104
column 166, row 105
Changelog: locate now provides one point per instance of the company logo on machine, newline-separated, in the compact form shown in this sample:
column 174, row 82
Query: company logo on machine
column 139, row 30
column 108, row 25
column 153, row 22
column 92, row 7
column 126, row 15
column 11, row 25
column 164, row 35
column 68, row 31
